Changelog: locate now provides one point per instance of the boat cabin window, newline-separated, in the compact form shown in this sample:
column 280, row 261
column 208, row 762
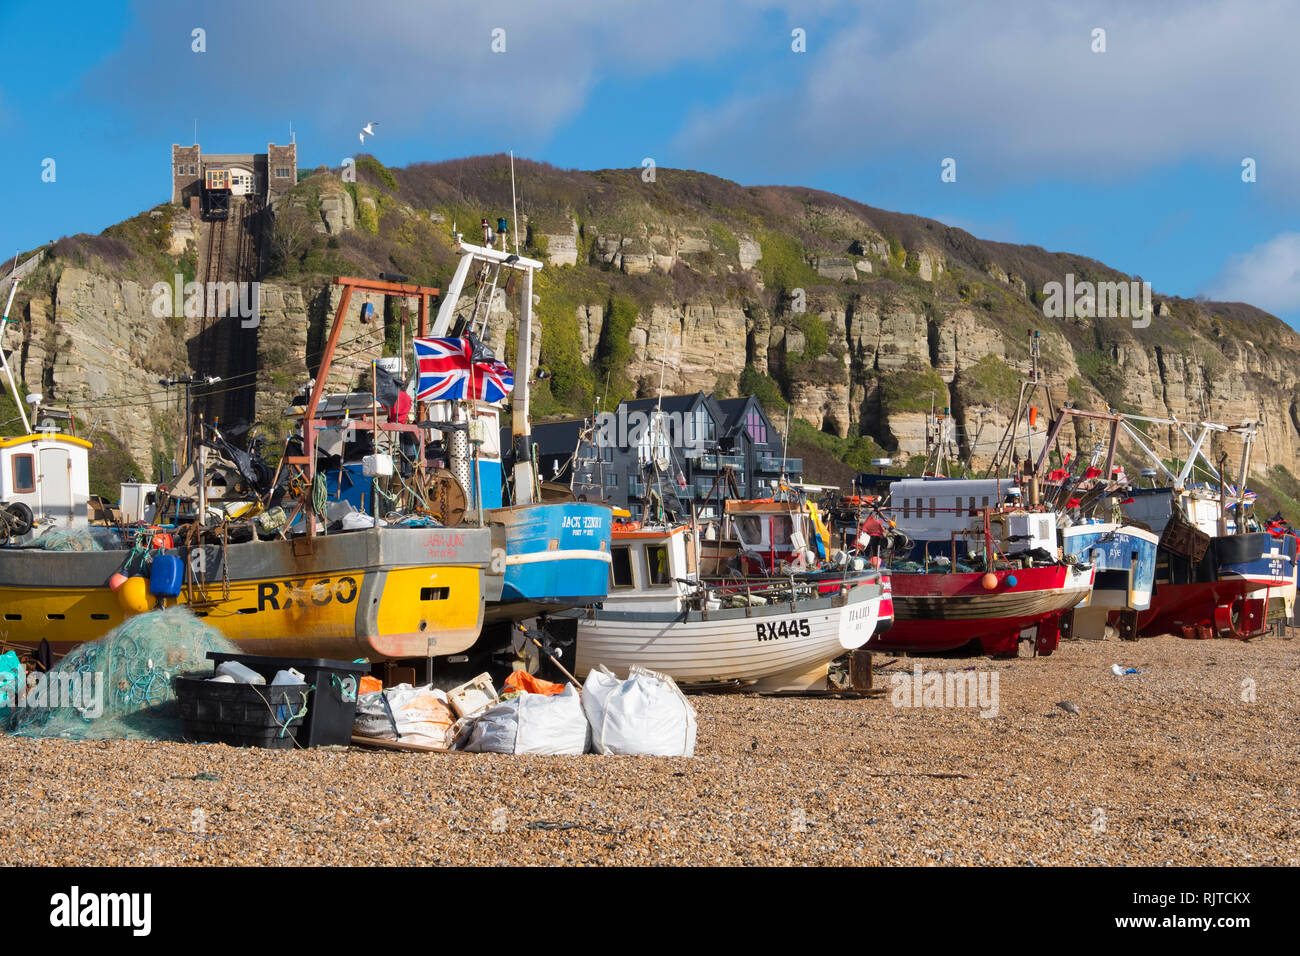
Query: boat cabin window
column 24, row 474
column 656, row 558
column 906, row 510
column 620, row 567
column 749, row 530
column 781, row 529
column 931, row 507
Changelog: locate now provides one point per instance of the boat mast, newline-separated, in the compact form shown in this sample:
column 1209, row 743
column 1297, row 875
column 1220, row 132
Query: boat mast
column 521, row 430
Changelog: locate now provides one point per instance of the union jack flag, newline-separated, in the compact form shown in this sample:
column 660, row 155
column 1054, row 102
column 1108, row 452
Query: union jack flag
column 447, row 370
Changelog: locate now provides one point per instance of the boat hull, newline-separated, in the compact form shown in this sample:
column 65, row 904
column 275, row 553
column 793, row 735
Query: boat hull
column 556, row 555
column 1226, row 592
column 943, row 612
column 769, row 646
column 376, row 593
column 1125, row 560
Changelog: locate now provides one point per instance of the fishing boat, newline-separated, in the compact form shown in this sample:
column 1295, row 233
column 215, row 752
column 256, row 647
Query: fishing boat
column 767, row 635
column 1207, row 582
column 1214, row 572
column 1124, row 557
column 969, row 566
column 306, row 587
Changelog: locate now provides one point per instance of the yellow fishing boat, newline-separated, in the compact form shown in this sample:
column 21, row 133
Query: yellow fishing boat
column 411, row 588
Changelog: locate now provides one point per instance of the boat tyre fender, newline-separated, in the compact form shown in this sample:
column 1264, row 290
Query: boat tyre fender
column 20, row 520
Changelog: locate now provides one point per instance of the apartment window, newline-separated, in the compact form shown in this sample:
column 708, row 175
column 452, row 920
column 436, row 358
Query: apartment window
column 611, row 480
column 607, row 453
column 282, row 172
column 702, row 427
column 620, row 567
column 24, row 474
column 756, row 428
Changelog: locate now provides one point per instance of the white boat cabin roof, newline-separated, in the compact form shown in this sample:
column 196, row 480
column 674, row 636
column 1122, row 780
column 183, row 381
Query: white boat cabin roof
column 936, row 507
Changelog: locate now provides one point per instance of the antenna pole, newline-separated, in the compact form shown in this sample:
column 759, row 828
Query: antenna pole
column 514, row 202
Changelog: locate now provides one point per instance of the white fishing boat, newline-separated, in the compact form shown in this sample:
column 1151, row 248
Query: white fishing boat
column 764, row 634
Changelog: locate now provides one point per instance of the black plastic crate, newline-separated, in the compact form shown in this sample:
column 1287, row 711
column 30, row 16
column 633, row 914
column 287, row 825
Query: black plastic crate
column 242, row 715
column 333, row 707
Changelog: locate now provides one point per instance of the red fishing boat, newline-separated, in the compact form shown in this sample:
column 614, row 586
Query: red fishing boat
column 968, row 566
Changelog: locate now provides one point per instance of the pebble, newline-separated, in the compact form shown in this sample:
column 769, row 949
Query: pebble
column 1170, row 766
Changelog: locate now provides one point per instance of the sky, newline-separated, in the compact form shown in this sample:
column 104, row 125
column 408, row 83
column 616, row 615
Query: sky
column 1158, row 137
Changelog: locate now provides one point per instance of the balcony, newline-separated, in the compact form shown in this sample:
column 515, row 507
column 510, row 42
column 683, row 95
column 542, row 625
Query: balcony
column 635, row 488
column 773, row 466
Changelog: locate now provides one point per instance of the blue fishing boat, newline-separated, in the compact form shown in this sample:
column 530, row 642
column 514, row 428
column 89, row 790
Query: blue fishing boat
column 557, row 556
column 1124, row 557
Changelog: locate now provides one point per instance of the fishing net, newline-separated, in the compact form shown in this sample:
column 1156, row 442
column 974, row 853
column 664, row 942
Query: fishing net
column 120, row 687
column 79, row 539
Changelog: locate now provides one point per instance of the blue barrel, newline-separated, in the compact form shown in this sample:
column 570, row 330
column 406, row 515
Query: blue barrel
column 167, row 575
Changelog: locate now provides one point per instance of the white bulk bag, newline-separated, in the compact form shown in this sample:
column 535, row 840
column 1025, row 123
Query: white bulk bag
column 531, row 724
column 421, row 713
column 645, row 714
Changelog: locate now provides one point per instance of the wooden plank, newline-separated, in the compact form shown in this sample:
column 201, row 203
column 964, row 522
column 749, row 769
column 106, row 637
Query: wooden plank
column 378, row 743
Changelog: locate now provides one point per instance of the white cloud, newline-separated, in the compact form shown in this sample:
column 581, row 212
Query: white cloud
column 1267, row 276
column 1015, row 92
column 422, row 68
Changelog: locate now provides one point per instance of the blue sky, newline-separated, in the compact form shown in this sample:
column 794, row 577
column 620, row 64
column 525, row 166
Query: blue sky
column 1132, row 155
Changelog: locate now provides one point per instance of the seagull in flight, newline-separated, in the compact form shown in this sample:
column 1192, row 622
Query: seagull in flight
column 368, row 130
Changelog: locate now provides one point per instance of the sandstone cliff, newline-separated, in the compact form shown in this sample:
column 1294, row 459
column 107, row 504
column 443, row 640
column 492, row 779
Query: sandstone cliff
column 859, row 318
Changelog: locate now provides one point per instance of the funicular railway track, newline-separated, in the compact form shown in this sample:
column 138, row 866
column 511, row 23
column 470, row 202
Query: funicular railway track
column 223, row 337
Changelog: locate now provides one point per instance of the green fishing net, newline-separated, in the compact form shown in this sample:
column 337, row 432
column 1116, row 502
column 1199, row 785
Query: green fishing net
column 76, row 539
column 120, row 686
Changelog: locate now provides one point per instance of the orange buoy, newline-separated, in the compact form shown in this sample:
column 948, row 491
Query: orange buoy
column 990, row 581
column 117, row 580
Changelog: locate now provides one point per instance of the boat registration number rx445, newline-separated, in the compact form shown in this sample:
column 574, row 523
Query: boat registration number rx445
column 779, row 629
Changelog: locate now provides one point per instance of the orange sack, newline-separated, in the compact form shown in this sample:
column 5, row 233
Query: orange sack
column 527, row 683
